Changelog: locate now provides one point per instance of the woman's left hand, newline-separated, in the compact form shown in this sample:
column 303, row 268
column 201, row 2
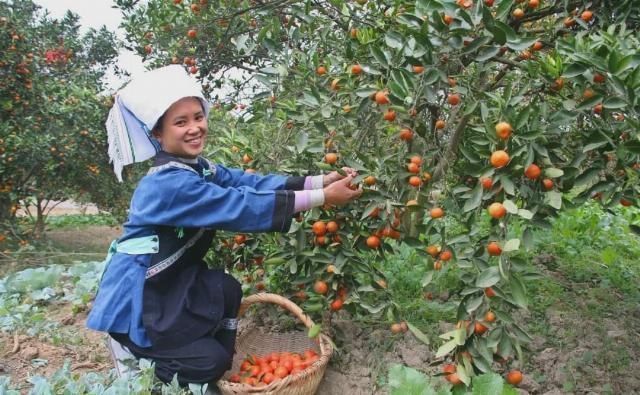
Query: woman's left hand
column 335, row 176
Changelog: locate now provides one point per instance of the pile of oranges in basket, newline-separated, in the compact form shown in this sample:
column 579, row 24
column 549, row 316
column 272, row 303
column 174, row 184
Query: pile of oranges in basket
column 263, row 370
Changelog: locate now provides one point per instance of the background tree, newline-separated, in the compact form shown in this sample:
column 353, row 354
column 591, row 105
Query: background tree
column 53, row 107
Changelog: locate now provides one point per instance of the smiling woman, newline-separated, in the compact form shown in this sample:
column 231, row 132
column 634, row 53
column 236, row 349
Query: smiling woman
column 182, row 130
column 157, row 296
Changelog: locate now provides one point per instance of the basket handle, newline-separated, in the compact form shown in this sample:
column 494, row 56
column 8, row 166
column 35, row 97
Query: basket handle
column 281, row 301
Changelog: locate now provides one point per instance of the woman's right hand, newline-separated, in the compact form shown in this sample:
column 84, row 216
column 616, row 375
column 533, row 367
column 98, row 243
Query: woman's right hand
column 339, row 192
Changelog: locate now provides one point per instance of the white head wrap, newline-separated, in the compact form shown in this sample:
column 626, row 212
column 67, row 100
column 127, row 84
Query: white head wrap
column 137, row 108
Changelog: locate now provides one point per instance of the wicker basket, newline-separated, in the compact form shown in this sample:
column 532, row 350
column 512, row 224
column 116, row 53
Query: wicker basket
column 256, row 342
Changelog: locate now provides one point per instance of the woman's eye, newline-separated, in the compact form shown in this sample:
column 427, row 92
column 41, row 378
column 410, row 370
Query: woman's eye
column 199, row 117
column 180, row 123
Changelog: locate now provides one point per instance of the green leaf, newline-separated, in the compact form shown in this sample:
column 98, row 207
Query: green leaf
column 488, row 383
column 518, row 292
column 472, row 304
column 593, row 146
column 554, row 199
column 574, row 70
column 487, row 53
column 475, row 199
column 526, row 214
column 394, row 39
column 446, row 348
column 511, row 245
column 426, row 280
column 553, row 172
column 379, row 56
column 614, row 102
column 404, row 380
column 508, row 185
column 488, row 277
column 418, row 333
column 510, row 206
column 314, row 331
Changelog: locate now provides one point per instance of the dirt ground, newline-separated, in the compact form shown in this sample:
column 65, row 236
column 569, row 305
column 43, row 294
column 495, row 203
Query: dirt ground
column 572, row 355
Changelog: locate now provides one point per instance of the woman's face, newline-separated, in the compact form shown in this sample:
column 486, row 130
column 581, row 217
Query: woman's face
column 183, row 129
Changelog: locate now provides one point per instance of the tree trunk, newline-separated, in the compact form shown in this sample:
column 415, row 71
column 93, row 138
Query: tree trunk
column 38, row 229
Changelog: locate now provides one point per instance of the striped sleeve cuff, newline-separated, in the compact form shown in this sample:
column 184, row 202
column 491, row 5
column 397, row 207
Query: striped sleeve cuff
column 308, row 199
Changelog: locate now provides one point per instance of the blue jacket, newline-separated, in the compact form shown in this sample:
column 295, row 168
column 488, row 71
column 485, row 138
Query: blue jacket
column 163, row 296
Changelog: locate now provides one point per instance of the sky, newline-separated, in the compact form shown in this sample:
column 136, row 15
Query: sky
column 96, row 13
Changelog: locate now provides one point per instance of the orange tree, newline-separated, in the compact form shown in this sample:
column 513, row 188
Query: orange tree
column 471, row 123
column 52, row 139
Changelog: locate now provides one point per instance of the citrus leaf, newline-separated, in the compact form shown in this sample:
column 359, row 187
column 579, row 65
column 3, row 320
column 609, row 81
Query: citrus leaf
column 488, row 277
column 418, row 333
column 510, row 206
column 314, row 331
column 511, row 245
column 553, row 172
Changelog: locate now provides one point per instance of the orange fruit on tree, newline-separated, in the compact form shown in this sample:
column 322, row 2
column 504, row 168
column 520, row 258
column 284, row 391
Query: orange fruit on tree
column 389, row 115
column 373, row 242
column 246, row 159
column 369, row 180
column 433, row 250
column 382, row 283
column 415, row 181
column 514, row 377
column 499, row 159
column 518, row 13
column 547, row 184
column 626, row 202
column 332, row 227
column 413, row 168
column 537, row 46
column 588, row 94
column 418, row 69
column 504, row 130
column 320, row 287
column 533, row 4
column 597, row 109
column 356, row 69
column 440, row 124
column 396, row 328
column 586, row 15
column 353, row 33
column 406, row 134
column 426, row 176
column 453, row 99
column 494, row 249
column 239, row 239
column 319, row 228
column 599, row 78
column 488, row 3
column 335, row 84
column 192, row 33
column 336, row 305
column 437, row 265
column 479, row 328
column 417, row 159
column 489, row 292
column 446, row 255
column 321, row 240
column 381, row 97
column 532, row 172
column 490, row 316
column 321, row 70
column 496, row 210
column 557, row 84
column 568, row 22
column 331, row 158
column 486, row 182
column 447, row 19
column 436, row 212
